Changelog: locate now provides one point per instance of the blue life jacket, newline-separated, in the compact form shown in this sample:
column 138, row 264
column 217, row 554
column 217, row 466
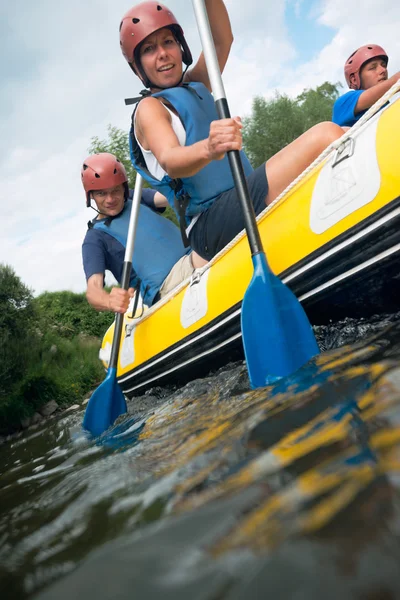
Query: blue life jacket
column 158, row 246
column 196, row 109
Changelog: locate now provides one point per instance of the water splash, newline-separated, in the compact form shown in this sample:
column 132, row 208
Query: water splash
column 215, row 491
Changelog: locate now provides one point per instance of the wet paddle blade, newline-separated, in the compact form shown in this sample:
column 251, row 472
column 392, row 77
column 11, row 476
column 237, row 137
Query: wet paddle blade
column 277, row 336
column 106, row 404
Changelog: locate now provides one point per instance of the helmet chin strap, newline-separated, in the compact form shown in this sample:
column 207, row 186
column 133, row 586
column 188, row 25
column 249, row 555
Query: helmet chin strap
column 93, row 208
column 108, row 218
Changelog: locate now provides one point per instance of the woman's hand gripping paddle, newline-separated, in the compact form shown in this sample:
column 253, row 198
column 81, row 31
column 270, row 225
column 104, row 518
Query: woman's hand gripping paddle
column 277, row 336
column 107, row 402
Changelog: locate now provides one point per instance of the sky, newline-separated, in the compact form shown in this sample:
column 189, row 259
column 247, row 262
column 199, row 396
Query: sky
column 63, row 80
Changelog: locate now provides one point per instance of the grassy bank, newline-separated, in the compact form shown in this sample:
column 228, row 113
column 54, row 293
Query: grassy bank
column 48, row 349
column 57, row 369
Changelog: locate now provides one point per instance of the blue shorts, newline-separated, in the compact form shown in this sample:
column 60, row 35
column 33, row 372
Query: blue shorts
column 220, row 223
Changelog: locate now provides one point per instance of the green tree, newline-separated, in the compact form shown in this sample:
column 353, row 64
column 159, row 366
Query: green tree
column 274, row 123
column 316, row 104
column 15, row 299
column 17, row 319
column 48, row 348
column 117, row 143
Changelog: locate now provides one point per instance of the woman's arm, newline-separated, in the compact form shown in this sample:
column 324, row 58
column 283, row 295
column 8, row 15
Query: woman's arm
column 223, row 38
column 155, row 133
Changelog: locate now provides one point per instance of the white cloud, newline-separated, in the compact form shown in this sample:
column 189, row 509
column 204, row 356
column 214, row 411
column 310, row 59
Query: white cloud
column 374, row 22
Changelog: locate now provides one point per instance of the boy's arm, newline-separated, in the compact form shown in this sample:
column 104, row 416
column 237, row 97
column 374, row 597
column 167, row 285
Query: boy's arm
column 160, row 201
column 370, row 96
column 115, row 301
column 154, row 200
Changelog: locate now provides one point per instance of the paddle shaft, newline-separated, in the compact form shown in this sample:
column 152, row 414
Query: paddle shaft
column 222, row 108
column 127, row 267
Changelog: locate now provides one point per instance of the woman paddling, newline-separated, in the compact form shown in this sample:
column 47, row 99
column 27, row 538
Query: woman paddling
column 179, row 144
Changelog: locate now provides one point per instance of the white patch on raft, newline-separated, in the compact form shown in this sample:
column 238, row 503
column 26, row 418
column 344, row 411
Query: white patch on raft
column 127, row 355
column 194, row 304
column 349, row 185
column 105, row 353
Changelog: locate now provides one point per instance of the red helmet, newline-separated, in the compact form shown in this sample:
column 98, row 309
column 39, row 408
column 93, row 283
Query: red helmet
column 101, row 171
column 358, row 59
column 139, row 22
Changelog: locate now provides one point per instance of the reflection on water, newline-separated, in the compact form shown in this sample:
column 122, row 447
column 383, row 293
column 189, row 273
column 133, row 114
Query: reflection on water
column 219, row 493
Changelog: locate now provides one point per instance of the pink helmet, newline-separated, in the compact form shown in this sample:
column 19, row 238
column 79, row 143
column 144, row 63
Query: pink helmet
column 101, row 171
column 358, row 59
column 139, row 22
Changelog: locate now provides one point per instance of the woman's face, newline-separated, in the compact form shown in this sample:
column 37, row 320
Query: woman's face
column 161, row 58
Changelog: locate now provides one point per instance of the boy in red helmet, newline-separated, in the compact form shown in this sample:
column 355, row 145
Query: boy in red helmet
column 159, row 263
column 177, row 142
column 367, row 77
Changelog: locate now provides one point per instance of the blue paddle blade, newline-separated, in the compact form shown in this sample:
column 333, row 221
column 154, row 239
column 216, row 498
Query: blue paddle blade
column 277, row 336
column 106, row 404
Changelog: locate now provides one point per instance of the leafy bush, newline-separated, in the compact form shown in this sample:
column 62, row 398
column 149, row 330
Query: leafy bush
column 70, row 314
column 48, row 348
column 58, row 369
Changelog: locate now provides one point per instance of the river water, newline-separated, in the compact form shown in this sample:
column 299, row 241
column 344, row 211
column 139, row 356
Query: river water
column 215, row 492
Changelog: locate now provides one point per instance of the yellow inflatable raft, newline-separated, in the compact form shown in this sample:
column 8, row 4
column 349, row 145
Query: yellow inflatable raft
column 333, row 237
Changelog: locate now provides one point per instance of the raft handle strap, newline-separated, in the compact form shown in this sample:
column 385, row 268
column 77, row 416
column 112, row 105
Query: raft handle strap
column 181, row 202
column 136, row 301
column 344, row 151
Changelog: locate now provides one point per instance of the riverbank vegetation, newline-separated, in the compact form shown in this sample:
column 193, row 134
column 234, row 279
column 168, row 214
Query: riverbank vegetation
column 48, row 349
